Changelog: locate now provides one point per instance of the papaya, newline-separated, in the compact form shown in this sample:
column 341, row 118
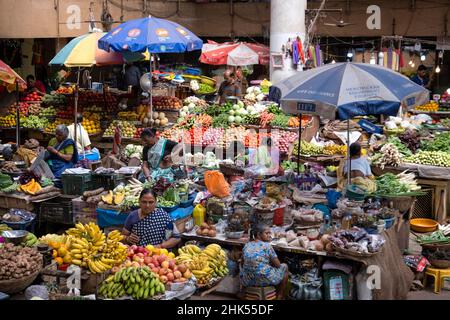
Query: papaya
column 118, row 198
column 108, row 199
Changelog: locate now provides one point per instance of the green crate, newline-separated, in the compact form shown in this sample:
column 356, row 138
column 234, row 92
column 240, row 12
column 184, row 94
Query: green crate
column 107, row 181
column 57, row 212
column 76, row 184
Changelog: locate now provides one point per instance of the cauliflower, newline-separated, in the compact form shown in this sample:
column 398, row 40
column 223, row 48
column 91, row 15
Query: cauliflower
column 194, row 85
column 260, row 97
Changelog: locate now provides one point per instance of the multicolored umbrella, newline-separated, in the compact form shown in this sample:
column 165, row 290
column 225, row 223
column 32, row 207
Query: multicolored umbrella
column 8, row 78
column 234, row 54
column 152, row 34
column 83, row 51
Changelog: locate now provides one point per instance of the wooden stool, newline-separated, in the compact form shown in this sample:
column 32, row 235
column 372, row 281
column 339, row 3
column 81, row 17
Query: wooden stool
column 260, row 293
column 439, row 276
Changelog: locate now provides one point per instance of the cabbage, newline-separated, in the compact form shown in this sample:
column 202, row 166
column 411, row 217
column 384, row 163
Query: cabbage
column 183, row 114
column 260, row 97
column 238, row 119
column 231, row 119
column 244, row 112
column 185, row 109
column 241, row 104
column 236, row 107
column 232, row 112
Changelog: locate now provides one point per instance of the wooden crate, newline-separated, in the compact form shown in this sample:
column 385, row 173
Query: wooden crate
column 10, row 201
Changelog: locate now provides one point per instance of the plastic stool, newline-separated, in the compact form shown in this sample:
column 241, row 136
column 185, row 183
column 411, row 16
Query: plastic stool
column 439, row 276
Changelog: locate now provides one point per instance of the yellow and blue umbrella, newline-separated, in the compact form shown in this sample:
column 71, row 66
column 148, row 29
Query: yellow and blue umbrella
column 83, row 51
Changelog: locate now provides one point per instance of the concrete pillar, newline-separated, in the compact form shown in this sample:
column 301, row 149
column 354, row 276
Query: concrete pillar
column 287, row 20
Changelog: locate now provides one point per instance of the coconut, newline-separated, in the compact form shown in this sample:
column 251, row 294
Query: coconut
column 155, row 115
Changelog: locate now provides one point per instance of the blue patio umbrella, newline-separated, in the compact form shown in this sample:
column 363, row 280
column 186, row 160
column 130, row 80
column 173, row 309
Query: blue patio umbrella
column 152, row 34
column 353, row 89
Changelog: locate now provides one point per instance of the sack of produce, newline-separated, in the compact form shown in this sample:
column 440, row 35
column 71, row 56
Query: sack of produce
column 216, row 184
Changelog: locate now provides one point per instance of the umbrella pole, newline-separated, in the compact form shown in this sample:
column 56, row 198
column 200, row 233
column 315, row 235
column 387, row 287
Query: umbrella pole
column 17, row 114
column 151, row 88
column 348, row 153
column 299, row 142
column 76, row 108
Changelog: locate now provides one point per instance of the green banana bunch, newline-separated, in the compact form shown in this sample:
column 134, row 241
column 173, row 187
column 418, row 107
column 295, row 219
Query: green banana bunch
column 139, row 283
column 31, row 240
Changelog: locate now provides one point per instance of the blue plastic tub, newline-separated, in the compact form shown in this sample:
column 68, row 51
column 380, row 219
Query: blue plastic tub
column 389, row 222
column 189, row 202
column 169, row 209
column 93, row 155
column 109, row 218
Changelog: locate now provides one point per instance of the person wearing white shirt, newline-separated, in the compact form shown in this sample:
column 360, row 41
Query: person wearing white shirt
column 83, row 142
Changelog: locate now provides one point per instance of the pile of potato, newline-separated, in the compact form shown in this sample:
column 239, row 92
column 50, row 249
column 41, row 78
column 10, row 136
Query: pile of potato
column 17, row 262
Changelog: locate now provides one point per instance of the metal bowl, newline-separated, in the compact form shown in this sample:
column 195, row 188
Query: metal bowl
column 15, row 236
column 234, row 235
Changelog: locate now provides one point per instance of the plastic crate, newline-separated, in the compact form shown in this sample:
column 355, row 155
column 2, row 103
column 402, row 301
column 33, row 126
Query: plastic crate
column 83, row 211
column 76, row 184
column 107, row 181
column 57, row 212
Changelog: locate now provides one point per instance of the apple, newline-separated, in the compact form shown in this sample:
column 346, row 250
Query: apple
column 134, row 247
column 151, row 265
column 147, row 260
column 187, row 274
column 161, row 258
column 165, row 264
column 182, row 268
column 135, row 258
column 155, row 270
column 170, row 276
column 140, row 255
column 172, row 264
column 135, row 264
column 162, row 271
column 163, row 279
column 177, row 274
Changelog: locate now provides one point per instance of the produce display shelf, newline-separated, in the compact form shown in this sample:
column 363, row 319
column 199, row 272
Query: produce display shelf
column 443, row 113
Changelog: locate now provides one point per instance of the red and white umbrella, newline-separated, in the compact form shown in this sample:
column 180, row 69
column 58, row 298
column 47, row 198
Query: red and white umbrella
column 234, row 54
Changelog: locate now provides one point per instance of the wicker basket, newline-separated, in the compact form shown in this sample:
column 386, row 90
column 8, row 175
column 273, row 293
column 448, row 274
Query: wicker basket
column 231, row 170
column 402, row 204
column 16, row 285
column 353, row 253
column 440, row 264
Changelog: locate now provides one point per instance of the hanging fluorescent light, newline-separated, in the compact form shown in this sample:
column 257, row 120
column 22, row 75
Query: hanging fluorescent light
column 333, row 61
column 381, row 54
column 438, row 69
column 350, row 54
column 448, row 91
column 410, row 62
column 413, row 65
column 422, row 57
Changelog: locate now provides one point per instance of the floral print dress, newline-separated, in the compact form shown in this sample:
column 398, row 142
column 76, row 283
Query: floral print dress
column 257, row 270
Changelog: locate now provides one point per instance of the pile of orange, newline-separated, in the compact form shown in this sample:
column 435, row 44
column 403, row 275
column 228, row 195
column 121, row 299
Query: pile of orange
column 91, row 122
column 432, row 106
column 60, row 253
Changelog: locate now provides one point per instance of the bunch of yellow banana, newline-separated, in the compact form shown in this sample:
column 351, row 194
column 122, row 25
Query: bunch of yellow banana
column 187, row 253
column 217, row 259
column 335, row 149
column 90, row 248
column 200, row 269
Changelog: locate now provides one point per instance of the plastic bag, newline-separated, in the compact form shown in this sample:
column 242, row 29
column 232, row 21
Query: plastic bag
column 216, row 184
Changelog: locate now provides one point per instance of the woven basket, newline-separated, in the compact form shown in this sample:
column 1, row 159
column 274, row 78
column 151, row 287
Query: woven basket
column 353, row 253
column 231, row 170
column 440, row 264
column 16, row 285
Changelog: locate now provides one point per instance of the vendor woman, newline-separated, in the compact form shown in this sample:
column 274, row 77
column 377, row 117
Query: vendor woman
column 150, row 225
column 261, row 266
column 62, row 152
column 154, row 151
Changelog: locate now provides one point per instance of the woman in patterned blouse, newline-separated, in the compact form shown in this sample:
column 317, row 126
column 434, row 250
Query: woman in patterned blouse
column 261, row 266
column 150, row 225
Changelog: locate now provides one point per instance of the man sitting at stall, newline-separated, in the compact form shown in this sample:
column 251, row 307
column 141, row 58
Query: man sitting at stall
column 261, row 266
column 154, row 151
column 62, row 153
column 360, row 174
column 150, row 225
column 230, row 87
column 83, row 141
